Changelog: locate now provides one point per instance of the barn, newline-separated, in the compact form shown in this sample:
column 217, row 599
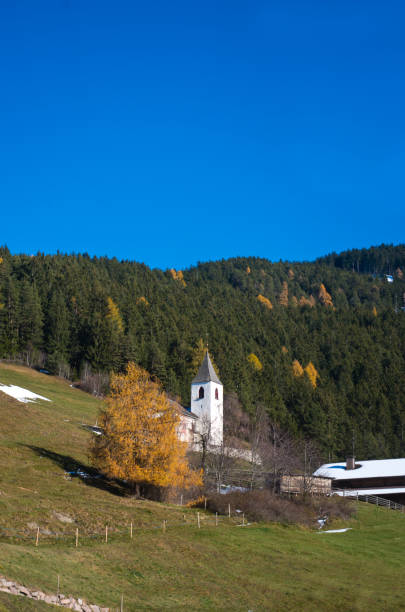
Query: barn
column 379, row 477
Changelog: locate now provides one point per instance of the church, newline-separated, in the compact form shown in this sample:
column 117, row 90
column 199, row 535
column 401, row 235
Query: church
column 204, row 420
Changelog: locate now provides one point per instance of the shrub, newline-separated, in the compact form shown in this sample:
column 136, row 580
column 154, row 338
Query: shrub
column 263, row 505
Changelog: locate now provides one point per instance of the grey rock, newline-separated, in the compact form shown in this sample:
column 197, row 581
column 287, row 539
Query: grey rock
column 63, row 518
column 24, row 591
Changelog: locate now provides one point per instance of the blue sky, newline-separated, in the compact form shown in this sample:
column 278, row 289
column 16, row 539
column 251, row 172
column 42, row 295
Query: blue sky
column 177, row 132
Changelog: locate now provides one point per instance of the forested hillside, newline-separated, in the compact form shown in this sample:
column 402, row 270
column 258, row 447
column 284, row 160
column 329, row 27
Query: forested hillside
column 321, row 345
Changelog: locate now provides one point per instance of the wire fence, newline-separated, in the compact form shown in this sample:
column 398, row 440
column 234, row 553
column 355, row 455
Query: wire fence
column 108, row 534
column 371, row 499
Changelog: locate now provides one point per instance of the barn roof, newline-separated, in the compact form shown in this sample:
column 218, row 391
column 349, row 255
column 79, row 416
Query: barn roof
column 206, row 373
column 375, row 468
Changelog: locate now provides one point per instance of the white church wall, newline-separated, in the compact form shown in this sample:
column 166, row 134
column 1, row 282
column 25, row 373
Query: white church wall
column 209, row 410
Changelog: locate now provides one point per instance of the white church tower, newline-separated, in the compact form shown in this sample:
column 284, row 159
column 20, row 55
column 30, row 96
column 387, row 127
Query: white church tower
column 207, row 402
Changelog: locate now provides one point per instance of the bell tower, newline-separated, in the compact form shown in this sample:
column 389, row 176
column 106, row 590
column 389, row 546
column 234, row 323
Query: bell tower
column 207, row 402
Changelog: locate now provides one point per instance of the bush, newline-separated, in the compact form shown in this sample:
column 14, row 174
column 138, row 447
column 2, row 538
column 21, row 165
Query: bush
column 265, row 506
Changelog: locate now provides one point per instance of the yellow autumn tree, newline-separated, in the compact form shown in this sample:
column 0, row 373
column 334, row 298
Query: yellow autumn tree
column 255, row 362
column 142, row 300
column 114, row 315
column 374, row 311
column 283, row 297
column 324, row 297
column 178, row 276
column 297, row 368
column 139, row 443
column 312, row 374
column 265, row 301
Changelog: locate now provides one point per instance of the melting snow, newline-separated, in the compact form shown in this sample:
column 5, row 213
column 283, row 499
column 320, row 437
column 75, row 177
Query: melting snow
column 20, row 394
column 336, row 530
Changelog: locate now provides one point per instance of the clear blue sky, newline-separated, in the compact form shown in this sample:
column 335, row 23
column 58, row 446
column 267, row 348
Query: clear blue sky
column 172, row 132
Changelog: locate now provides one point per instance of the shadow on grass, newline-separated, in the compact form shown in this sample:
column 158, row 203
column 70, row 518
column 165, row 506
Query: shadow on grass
column 75, row 469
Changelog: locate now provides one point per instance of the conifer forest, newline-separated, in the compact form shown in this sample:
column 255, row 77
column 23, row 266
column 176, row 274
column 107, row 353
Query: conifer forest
column 320, row 345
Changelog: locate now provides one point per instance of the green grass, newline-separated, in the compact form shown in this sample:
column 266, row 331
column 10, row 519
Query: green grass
column 11, row 603
column 260, row 567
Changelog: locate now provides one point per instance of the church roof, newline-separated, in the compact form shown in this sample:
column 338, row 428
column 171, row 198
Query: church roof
column 206, row 373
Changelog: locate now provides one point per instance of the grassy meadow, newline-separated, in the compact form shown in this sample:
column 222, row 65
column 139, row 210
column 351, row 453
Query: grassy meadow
column 258, row 567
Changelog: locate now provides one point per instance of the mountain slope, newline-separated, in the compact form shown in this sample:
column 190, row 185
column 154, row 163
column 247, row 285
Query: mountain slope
column 73, row 313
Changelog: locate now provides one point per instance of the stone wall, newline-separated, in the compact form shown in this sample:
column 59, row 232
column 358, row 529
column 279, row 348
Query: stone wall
column 8, row 586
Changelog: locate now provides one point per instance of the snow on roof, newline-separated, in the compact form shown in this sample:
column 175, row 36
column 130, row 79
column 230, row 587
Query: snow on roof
column 368, row 469
column 20, row 394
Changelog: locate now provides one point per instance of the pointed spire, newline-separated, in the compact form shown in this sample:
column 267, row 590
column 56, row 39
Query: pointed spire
column 206, row 372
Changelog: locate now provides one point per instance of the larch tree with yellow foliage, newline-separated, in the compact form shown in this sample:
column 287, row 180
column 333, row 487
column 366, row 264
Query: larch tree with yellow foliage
column 283, row 297
column 255, row 362
column 265, row 301
column 297, row 368
column 114, row 315
column 139, row 443
column 324, row 297
column 312, row 374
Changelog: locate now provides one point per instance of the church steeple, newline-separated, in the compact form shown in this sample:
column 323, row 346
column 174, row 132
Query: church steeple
column 206, row 372
column 207, row 401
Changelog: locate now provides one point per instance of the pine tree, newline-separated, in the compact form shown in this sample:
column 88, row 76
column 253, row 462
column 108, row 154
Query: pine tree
column 31, row 317
column 57, row 333
column 9, row 318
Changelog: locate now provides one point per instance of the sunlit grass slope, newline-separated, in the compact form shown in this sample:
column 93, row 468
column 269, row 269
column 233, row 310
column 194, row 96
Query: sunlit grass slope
column 260, row 567
column 268, row 567
column 39, row 443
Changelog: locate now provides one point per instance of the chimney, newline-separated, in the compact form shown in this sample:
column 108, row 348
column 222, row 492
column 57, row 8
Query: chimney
column 350, row 463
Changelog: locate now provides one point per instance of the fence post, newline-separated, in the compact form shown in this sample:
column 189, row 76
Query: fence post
column 216, row 519
column 106, row 534
column 164, row 526
column 58, row 583
column 229, row 510
column 377, row 500
column 198, row 520
column 205, row 503
column 122, row 603
column 131, row 530
column 181, row 499
column 37, row 538
column 243, row 518
column 77, row 536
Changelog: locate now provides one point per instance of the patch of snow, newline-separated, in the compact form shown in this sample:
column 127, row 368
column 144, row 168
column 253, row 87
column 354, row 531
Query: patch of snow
column 20, row 394
column 336, row 530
